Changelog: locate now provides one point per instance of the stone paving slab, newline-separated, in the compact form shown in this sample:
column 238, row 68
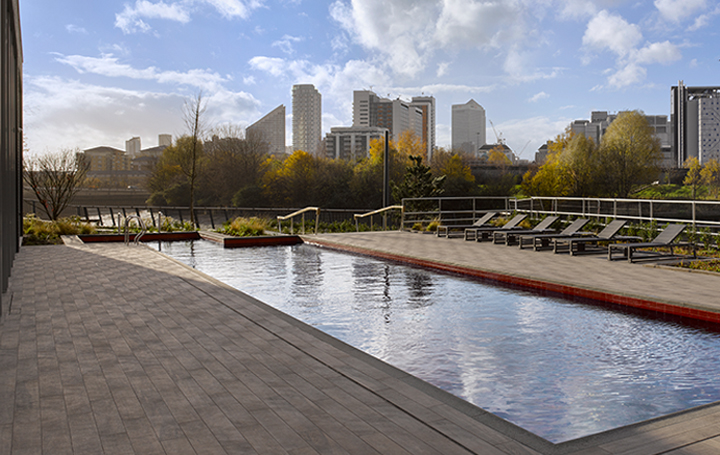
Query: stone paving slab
column 117, row 349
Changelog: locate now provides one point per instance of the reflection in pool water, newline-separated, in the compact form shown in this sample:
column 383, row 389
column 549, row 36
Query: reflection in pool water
column 554, row 367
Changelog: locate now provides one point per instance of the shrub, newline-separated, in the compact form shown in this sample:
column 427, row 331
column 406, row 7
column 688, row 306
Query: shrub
column 245, row 227
column 39, row 232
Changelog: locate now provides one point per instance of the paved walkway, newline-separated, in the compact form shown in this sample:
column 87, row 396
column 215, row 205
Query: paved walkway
column 115, row 349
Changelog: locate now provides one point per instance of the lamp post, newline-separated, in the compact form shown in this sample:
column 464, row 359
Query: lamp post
column 386, row 171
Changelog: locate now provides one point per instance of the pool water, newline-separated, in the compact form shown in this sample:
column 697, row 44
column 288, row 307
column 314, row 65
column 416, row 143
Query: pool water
column 558, row 368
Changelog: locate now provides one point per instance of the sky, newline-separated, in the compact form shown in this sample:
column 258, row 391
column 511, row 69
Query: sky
column 101, row 72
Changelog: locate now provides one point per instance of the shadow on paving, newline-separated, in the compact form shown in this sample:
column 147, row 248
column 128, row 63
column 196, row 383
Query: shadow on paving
column 121, row 349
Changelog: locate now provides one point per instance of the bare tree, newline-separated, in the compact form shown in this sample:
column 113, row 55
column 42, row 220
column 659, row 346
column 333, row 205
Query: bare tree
column 193, row 116
column 55, row 179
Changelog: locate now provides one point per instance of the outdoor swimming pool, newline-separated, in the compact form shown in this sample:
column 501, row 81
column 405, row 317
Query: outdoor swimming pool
column 558, row 368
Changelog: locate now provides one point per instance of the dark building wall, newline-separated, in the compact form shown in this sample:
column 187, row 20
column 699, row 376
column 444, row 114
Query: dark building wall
column 10, row 137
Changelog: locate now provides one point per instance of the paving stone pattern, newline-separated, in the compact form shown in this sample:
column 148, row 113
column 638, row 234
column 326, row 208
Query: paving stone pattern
column 118, row 349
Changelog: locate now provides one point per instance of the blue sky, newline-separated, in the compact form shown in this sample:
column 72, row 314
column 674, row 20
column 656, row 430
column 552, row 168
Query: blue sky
column 101, row 72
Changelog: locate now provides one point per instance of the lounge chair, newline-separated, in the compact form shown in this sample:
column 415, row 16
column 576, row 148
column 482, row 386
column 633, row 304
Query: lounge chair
column 482, row 221
column 507, row 236
column 543, row 240
column 579, row 244
column 483, row 233
column 665, row 239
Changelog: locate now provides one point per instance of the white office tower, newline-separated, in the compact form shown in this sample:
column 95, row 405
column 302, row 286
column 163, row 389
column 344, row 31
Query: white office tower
column 132, row 147
column 468, row 127
column 271, row 129
column 164, row 140
column 307, row 118
column 427, row 104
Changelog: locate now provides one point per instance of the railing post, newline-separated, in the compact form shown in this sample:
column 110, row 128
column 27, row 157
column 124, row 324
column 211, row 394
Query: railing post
column 303, row 222
column 317, row 219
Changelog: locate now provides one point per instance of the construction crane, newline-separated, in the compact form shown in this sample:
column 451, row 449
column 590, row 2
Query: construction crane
column 498, row 136
column 523, row 149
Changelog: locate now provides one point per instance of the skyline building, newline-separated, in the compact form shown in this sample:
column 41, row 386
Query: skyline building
column 427, row 104
column 307, row 118
column 351, row 143
column 597, row 126
column 397, row 116
column 695, row 117
column 271, row 129
column 468, row 127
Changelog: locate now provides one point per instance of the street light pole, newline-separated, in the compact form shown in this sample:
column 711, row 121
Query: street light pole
column 386, row 171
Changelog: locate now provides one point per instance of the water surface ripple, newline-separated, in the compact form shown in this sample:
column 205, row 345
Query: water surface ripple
column 557, row 368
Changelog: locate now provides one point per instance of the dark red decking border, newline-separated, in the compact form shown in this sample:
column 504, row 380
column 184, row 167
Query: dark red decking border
column 150, row 236
column 634, row 302
column 265, row 240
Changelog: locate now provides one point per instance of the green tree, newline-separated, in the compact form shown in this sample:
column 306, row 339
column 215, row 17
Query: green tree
column 629, row 154
column 367, row 179
column 459, row 180
column 290, row 181
column 578, row 165
column 711, row 177
column 231, row 163
column 418, row 182
column 171, row 179
column 693, row 178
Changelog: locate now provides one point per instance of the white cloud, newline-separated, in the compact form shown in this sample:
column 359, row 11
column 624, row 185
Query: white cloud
column 131, row 19
column 234, row 8
column 286, row 44
column 108, row 65
column 479, row 23
column 631, row 73
column 72, row 28
column 704, row 19
column 527, row 135
column 678, row 10
column 407, row 33
column 62, row 113
column 538, row 96
column 273, row 65
column 664, row 52
column 577, row 9
column 610, row 31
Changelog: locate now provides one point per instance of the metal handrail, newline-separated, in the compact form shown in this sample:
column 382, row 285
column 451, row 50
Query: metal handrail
column 302, row 212
column 648, row 214
column 357, row 216
column 143, row 229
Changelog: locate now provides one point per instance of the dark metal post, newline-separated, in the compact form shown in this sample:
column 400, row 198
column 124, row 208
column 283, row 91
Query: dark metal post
column 386, row 171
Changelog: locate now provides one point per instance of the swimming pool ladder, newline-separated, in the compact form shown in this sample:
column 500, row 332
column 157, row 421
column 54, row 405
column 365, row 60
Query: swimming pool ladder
column 141, row 224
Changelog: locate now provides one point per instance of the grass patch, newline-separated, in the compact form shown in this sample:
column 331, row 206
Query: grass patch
column 710, row 265
column 40, row 232
column 245, row 227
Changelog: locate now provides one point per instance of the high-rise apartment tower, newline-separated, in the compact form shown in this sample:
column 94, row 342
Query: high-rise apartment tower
column 695, row 118
column 307, row 118
column 271, row 129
